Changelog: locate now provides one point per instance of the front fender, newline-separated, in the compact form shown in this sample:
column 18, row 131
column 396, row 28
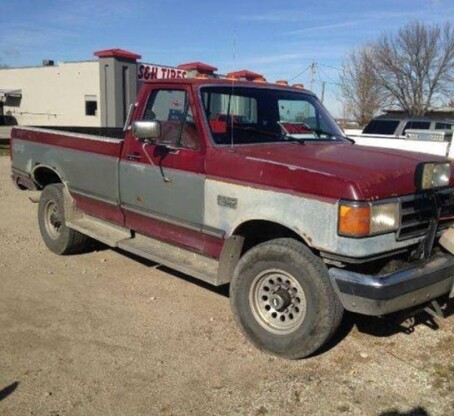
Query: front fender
column 315, row 221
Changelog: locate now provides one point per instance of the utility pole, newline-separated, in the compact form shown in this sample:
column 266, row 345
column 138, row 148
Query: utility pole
column 311, row 74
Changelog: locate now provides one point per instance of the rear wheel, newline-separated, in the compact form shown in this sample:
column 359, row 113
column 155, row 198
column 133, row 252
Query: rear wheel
column 52, row 224
column 283, row 300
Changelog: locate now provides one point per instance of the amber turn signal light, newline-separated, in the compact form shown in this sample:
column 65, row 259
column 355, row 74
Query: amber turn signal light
column 354, row 221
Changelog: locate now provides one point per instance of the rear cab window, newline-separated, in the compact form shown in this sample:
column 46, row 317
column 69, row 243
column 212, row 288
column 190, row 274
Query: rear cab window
column 385, row 127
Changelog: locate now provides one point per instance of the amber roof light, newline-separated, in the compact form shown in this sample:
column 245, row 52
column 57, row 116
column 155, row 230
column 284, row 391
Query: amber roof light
column 247, row 75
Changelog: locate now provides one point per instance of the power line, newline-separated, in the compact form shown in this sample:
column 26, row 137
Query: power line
column 301, row 73
column 332, row 67
column 326, row 75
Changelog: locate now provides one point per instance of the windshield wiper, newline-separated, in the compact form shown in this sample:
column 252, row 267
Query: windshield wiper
column 286, row 137
column 320, row 132
column 293, row 139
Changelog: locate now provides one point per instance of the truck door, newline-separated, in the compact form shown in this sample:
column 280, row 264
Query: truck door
column 162, row 192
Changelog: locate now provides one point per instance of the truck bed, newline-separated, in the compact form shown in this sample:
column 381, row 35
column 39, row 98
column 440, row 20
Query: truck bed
column 85, row 158
column 111, row 132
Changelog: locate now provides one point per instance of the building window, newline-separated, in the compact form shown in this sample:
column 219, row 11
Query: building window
column 91, row 105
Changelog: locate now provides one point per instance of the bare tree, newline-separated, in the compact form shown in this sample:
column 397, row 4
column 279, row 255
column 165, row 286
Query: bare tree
column 415, row 67
column 359, row 87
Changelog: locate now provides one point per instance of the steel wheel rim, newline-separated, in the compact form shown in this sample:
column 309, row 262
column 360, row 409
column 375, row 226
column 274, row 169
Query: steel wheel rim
column 277, row 301
column 52, row 220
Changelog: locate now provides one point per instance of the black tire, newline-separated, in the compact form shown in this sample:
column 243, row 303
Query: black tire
column 301, row 285
column 52, row 224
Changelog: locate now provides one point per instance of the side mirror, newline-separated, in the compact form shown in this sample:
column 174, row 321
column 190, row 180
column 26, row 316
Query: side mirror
column 146, row 130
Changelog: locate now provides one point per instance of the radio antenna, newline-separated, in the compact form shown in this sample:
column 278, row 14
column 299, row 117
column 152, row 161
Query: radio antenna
column 233, row 90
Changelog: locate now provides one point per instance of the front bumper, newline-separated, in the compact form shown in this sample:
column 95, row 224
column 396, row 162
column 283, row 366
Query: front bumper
column 383, row 294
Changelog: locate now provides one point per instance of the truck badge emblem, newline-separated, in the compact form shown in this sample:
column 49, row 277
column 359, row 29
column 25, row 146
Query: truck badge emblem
column 226, row 201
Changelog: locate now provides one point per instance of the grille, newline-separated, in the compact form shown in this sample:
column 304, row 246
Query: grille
column 416, row 211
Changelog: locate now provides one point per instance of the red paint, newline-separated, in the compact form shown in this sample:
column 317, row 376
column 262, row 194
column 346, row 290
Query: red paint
column 189, row 160
column 326, row 171
column 117, row 53
column 218, row 126
column 295, row 128
column 247, row 75
column 95, row 208
column 320, row 169
column 323, row 170
column 58, row 139
column 175, row 234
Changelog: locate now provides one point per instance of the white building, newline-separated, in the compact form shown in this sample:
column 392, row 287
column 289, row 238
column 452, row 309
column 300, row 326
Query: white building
column 93, row 93
column 63, row 95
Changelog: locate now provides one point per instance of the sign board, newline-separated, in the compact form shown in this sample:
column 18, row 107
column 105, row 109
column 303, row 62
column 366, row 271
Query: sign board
column 147, row 72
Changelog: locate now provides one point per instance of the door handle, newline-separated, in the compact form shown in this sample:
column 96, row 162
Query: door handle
column 133, row 156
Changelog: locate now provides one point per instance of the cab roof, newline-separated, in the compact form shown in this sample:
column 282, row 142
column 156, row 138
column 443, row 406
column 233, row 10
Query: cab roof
column 226, row 82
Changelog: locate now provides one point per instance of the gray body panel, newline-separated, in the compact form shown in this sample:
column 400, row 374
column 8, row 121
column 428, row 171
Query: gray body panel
column 88, row 173
column 181, row 199
column 191, row 201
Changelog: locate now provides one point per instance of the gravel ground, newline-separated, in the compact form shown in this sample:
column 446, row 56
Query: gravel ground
column 105, row 333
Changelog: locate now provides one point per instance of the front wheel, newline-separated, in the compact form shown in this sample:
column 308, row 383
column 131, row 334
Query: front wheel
column 52, row 223
column 283, row 300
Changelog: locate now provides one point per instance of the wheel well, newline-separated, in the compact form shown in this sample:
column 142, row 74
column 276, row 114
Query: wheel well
column 259, row 231
column 44, row 176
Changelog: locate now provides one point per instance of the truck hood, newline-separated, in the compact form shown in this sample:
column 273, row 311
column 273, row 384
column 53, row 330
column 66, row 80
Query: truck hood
column 332, row 170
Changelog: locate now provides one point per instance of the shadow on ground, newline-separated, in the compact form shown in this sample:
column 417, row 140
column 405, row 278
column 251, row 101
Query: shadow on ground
column 383, row 327
column 417, row 411
column 405, row 321
column 402, row 322
column 4, row 393
column 219, row 290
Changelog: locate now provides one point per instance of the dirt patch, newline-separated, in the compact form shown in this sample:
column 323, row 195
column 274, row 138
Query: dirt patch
column 105, row 333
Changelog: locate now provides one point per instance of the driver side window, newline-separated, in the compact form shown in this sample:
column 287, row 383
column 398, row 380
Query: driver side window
column 173, row 110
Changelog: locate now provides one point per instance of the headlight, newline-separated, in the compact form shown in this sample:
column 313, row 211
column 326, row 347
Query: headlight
column 366, row 219
column 432, row 175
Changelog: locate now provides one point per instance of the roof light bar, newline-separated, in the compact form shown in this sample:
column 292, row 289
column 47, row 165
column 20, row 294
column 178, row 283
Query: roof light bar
column 246, row 75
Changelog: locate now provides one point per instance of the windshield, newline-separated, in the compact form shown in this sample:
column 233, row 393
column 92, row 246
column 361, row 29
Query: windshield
column 242, row 115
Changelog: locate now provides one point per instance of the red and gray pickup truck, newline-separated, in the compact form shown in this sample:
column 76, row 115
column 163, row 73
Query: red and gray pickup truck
column 252, row 184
